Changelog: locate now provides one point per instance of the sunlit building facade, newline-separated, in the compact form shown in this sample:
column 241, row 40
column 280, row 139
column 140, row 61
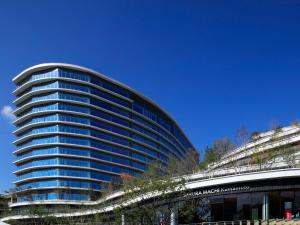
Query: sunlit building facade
column 77, row 130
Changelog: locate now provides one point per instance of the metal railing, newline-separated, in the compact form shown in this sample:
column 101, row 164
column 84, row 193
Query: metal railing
column 250, row 222
column 236, row 222
column 236, row 170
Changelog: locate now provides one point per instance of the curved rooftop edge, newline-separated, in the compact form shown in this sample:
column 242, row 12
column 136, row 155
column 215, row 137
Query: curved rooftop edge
column 45, row 66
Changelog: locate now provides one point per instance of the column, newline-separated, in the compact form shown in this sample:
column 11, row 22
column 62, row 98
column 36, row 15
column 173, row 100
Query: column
column 122, row 219
column 173, row 216
column 160, row 217
column 265, row 207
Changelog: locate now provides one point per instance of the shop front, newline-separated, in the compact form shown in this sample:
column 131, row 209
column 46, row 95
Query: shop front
column 277, row 199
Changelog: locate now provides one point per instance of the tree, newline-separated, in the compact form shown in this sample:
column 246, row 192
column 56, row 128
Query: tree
column 214, row 152
column 191, row 160
column 263, row 158
column 288, row 153
column 210, row 156
column 295, row 123
column 275, row 125
column 199, row 211
column 258, row 158
column 161, row 182
column 94, row 195
column 242, row 136
column 37, row 214
column 12, row 192
column 255, row 135
column 223, row 146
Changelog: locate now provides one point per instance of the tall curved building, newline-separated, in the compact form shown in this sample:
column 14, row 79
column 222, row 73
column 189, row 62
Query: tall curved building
column 78, row 130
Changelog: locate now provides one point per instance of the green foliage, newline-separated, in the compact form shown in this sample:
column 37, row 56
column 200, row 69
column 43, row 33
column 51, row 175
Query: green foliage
column 295, row 123
column 159, row 182
column 13, row 222
column 214, row 152
column 242, row 136
column 258, row 158
column 194, row 210
column 223, row 146
column 187, row 214
column 203, row 165
column 288, row 153
column 212, row 155
column 255, row 135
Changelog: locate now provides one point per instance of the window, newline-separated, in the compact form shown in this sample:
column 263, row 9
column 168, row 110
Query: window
column 72, row 86
column 73, row 75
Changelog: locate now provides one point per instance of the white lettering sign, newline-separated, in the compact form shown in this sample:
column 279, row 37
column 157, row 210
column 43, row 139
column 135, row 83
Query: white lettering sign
column 216, row 191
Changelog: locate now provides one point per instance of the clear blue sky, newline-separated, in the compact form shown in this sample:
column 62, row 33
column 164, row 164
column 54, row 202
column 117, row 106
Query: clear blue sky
column 213, row 65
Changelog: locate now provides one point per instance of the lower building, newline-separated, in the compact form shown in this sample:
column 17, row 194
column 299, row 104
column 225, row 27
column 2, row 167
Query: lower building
column 258, row 181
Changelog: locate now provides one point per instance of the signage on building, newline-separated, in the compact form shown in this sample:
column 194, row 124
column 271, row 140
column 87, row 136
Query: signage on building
column 212, row 191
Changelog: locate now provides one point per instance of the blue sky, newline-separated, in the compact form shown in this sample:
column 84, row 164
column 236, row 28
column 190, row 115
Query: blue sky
column 213, row 65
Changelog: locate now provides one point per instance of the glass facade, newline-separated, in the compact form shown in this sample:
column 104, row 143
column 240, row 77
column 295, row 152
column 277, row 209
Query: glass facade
column 80, row 130
column 249, row 206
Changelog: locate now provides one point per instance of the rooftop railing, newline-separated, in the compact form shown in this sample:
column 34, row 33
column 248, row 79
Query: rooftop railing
column 235, row 170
